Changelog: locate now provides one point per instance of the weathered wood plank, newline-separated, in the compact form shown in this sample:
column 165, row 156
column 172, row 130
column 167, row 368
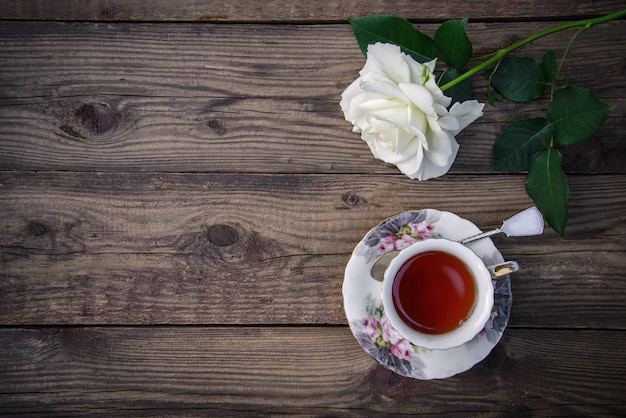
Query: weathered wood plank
column 241, row 135
column 307, row 10
column 201, row 175
column 235, row 98
column 310, row 371
column 208, row 60
column 124, row 248
column 249, row 60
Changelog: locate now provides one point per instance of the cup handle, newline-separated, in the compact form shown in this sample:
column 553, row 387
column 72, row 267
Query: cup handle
column 502, row 269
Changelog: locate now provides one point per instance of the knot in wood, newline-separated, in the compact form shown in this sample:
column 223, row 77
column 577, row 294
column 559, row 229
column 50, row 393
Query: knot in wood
column 351, row 199
column 222, row 235
column 37, row 228
column 97, row 119
column 216, row 125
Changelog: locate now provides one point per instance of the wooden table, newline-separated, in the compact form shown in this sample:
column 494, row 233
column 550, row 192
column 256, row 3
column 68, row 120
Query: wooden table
column 180, row 195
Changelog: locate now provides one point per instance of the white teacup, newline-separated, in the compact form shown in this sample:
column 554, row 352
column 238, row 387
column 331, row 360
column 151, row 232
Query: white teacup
column 447, row 304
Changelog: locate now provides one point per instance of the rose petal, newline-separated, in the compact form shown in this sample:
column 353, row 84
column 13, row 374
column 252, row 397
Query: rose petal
column 380, row 103
column 417, row 120
column 413, row 164
column 440, row 147
column 419, row 96
column 389, row 59
column 374, row 84
column 449, row 123
column 466, row 113
column 438, row 96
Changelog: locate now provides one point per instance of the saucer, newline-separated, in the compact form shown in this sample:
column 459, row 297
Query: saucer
column 364, row 309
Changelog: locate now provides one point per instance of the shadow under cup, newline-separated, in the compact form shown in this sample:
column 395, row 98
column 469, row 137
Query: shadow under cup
column 437, row 294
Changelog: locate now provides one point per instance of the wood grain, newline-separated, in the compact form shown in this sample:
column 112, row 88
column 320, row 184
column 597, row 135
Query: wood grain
column 186, row 97
column 124, row 248
column 304, row 10
column 243, row 136
column 295, row 370
column 180, row 197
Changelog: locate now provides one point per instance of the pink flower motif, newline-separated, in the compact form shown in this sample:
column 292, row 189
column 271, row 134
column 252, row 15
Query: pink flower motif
column 405, row 241
column 423, row 229
column 389, row 334
column 387, row 244
column 370, row 324
column 402, row 349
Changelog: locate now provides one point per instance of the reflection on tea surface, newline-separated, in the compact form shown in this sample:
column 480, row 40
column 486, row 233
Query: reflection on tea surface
column 434, row 292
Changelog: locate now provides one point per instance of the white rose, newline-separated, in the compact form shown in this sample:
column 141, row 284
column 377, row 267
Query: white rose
column 402, row 114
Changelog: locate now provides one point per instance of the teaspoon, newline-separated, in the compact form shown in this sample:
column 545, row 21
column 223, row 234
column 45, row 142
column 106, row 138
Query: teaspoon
column 526, row 223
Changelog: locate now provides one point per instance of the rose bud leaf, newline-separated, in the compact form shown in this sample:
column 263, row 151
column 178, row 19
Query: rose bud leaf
column 452, row 41
column 517, row 143
column 549, row 66
column 393, row 29
column 577, row 114
column 520, row 79
column 547, row 185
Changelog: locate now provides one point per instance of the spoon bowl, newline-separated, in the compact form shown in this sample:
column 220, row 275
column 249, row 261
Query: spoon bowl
column 528, row 222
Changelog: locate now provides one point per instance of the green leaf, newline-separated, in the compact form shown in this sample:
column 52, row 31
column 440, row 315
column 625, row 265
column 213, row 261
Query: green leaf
column 392, row 29
column 577, row 114
column 519, row 79
column 549, row 66
column 460, row 92
column 518, row 142
column 547, row 186
column 452, row 41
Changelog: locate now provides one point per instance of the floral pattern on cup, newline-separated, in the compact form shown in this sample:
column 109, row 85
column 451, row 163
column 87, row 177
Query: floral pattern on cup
column 408, row 235
column 402, row 231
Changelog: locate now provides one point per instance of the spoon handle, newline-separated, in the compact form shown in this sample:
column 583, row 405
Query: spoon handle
column 523, row 224
column 480, row 236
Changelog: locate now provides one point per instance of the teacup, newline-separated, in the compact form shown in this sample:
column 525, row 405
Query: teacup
column 437, row 294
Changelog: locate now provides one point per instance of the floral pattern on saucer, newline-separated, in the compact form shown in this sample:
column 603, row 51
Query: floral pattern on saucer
column 384, row 343
column 365, row 312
